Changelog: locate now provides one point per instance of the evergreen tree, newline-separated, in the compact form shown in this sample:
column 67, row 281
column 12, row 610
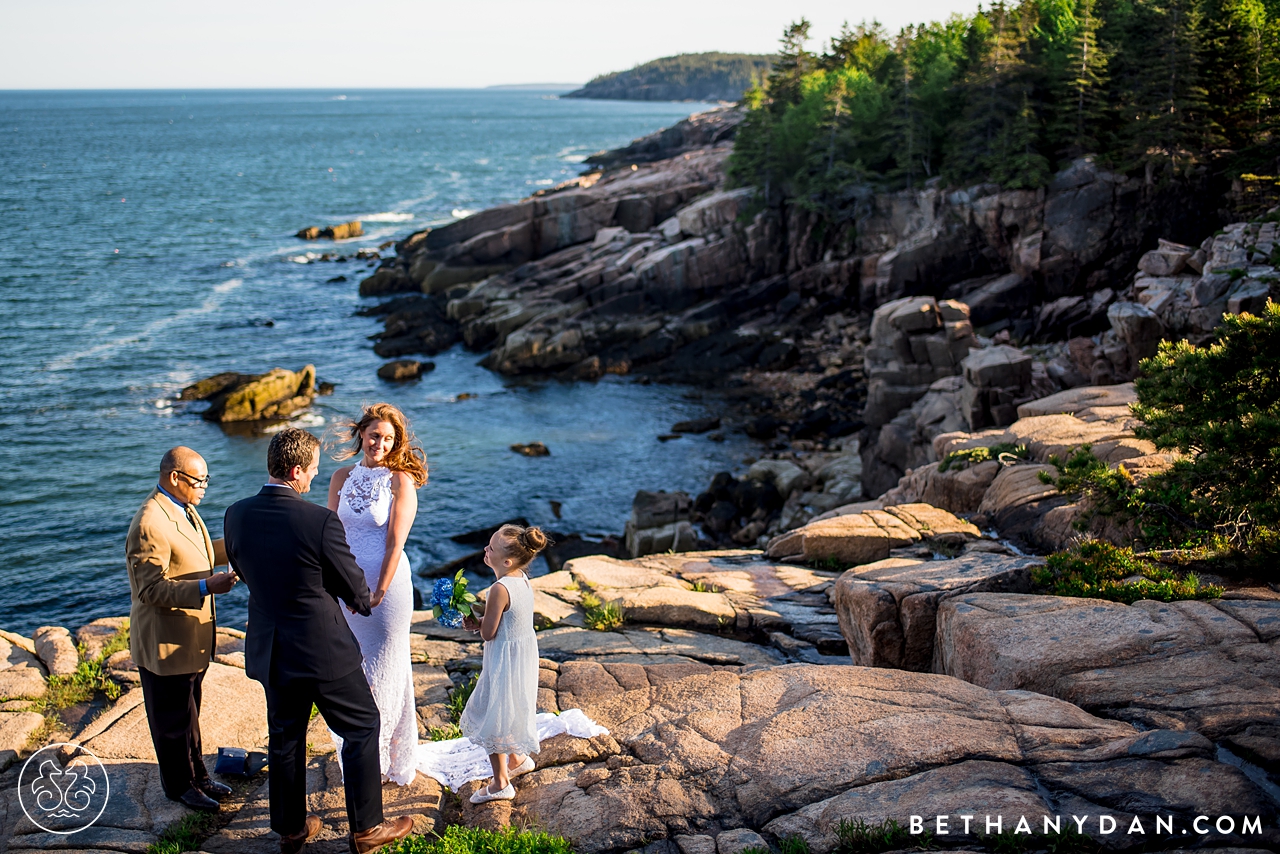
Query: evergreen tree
column 1075, row 76
column 997, row 93
column 786, row 80
column 1233, row 41
column 1011, row 93
column 1162, row 94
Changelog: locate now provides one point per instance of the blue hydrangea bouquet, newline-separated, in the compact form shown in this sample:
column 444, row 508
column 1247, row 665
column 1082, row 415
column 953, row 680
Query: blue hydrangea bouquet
column 451, row 601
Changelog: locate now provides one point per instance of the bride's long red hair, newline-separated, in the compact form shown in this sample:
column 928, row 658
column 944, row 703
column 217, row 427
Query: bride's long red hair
column 405, row 455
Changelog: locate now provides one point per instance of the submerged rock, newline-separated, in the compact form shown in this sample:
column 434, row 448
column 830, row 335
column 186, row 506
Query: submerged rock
column 401, row 370
column 532, row 449
column 341, row 231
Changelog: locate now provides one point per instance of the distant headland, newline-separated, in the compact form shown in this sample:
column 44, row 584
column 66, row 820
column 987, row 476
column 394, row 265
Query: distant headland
column 687, row 77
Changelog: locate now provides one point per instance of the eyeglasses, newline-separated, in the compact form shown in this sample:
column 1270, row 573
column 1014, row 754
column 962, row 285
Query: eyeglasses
column 197, row 482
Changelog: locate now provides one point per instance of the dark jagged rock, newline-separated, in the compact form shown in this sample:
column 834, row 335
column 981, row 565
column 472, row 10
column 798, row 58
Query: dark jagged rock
column 481, row 536
column 697, row 131
column 697, row 425
column 405, row 369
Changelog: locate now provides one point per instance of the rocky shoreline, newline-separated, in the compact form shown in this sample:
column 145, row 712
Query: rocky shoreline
column 850, row 630
column 651, row 267
column 736, row 717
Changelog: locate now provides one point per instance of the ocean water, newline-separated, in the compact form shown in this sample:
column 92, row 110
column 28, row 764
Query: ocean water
column 146, row 241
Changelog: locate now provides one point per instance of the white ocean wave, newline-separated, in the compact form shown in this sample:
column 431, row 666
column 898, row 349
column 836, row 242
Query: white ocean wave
column 460, row 213
column 543, row 182
column 387, row 216
column 575, row 158
column 108, row 348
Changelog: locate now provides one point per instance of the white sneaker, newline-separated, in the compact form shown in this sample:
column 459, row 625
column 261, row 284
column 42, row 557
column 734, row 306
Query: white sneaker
column 483, row 795
column 523, row 768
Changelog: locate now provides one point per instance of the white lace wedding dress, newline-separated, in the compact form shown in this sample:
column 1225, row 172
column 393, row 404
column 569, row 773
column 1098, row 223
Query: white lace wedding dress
column 364, row 506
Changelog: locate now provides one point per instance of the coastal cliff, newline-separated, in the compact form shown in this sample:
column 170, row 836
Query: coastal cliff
column 847, row 346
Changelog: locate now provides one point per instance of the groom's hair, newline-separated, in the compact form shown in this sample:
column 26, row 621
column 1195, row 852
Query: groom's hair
column 290, row 447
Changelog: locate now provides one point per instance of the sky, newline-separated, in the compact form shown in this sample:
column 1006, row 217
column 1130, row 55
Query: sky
column 168, row 44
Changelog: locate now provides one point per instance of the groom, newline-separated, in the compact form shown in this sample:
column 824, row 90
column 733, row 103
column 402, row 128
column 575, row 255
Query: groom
column 293, row 555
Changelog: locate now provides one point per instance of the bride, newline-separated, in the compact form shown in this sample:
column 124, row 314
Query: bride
column 376, row 499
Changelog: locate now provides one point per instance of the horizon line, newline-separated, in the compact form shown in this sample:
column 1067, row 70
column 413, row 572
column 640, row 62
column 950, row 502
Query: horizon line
column 529, row 86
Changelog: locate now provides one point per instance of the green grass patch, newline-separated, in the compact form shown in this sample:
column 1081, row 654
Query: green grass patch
column 472, row 840
column 704, row 587
column 185, row 834
column 601, row 616
column 1099, row 570
column 448, row 732
column 858, row 837
column 89, row 679
column 458, row 699
column 119, row 641
column 972, row 456
column 1070, row 841
column 786, row 845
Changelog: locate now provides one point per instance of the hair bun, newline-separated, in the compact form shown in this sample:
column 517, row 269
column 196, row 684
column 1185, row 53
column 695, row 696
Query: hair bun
column 533, row 540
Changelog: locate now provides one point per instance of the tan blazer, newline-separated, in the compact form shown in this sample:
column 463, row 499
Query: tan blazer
column 171, row 626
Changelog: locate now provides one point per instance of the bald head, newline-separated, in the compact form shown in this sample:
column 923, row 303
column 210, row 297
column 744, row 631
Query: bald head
column 184, row 474
column 178, row 459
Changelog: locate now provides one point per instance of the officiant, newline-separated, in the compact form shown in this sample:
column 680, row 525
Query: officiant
column 172, row 584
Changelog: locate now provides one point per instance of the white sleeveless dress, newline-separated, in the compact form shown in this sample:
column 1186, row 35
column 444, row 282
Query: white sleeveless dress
column 501, row 715
column 364, row 506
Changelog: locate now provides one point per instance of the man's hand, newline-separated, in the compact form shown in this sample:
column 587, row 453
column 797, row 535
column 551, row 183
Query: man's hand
column 220, row 582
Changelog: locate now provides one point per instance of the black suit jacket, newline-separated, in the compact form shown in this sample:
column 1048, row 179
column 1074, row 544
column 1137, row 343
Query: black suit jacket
column 293, row 556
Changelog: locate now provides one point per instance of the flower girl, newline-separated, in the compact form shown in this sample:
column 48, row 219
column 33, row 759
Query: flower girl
column 500, row 716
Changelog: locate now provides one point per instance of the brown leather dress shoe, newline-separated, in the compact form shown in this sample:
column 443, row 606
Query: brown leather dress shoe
column 293, row 843
column 380, row 834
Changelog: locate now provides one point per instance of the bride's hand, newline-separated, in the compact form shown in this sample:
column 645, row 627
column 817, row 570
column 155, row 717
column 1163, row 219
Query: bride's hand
column 375, row 598
column 471, row 624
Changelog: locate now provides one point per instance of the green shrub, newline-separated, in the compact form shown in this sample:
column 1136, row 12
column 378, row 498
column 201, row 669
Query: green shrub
column 1219, row 406
column 472, row 840
column 1111, row 491
column 1099, row 570
column 601, row 616
column 973, row 456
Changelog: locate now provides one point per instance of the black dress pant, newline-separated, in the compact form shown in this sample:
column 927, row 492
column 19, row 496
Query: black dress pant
column 173, row 715
column 348, row 708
